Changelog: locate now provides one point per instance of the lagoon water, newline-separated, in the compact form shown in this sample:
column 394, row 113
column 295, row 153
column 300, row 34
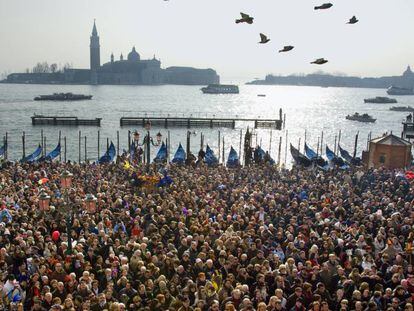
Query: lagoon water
column 313, row 109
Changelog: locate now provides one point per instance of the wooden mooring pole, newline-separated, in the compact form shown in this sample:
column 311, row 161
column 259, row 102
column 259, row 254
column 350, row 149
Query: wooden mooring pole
column 223, row 152
column 41, row 142
column 279, row 152
column 169, row 144
column 129, row 141
column 99, row 143
column 80, row 147
column 6, row 152
column 64, row 141
column 24, row 144
column 356, row 144
column 219, row 153
column 286, row 146
column 117, row 143
column 86, row 149
column 60, row 153
column 44, row 145
column 339, row 139
column 240, row 145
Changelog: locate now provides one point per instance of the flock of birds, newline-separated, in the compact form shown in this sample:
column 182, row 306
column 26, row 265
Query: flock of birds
column 246, row 18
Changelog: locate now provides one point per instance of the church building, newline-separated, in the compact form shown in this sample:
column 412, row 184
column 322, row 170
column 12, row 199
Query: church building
column 134, row 70
column 131, row 70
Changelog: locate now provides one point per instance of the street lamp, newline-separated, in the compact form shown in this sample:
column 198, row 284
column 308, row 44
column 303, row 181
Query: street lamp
column 66, row 183
column 44, row 200
column 90, row 202
column 148, row 141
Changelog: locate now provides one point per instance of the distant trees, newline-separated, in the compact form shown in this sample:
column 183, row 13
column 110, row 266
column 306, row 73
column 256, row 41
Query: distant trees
column 44, row 67
column 41, row 68
column 53, row 68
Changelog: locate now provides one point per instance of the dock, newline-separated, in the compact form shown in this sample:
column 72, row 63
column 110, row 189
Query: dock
column 65, row 121
column 168, row 121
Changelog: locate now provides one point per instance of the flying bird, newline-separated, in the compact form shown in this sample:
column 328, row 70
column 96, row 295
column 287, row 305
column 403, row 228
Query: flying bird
column 353, row 20
column 324, row 6
column 263, row 39
column 287, row 48
column 246, row 18
column 320, row 61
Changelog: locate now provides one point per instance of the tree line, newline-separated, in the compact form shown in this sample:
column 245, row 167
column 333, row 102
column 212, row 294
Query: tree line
column 44, row 67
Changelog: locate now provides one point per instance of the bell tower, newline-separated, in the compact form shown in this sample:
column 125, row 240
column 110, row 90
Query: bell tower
column 95, row 49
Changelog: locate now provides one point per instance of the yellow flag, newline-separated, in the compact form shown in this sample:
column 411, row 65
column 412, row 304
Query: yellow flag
column 127, row 166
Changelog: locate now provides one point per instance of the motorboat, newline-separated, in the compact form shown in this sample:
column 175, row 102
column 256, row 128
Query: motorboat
column 361, row 117
column 380, row 100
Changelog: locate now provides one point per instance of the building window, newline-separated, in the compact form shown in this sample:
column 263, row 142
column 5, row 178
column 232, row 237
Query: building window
column 382, row 158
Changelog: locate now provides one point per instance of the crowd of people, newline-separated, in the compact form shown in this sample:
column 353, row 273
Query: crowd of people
column 251, row 238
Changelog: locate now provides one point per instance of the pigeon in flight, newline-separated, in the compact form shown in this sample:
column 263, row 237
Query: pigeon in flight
column 353, row 20
column 286, row 48
column 246, row 18
column 320, row 61
column 324, row 6
column 263, row 39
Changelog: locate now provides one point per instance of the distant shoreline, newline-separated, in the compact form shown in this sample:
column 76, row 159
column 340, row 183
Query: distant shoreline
column 406, row 80
column 78, row 84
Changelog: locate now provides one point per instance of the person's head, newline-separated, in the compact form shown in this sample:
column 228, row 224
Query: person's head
column 261, row 306
column 215, row 306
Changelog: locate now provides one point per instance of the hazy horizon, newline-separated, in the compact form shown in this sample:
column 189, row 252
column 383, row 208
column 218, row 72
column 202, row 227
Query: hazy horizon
column 203, row 34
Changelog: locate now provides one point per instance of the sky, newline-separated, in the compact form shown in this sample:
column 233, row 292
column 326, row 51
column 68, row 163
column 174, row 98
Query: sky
column 203, row 34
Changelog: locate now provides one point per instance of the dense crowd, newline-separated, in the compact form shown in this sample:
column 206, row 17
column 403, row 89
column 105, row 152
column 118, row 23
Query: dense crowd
column 253, row 238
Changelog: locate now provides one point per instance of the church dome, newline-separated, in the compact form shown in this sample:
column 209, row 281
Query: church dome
column 133, row 55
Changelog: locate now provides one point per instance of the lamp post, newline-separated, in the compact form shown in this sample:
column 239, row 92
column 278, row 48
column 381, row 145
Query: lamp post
column 44, row 201
column 148, row 141
column 65, row 184
column 90, row 202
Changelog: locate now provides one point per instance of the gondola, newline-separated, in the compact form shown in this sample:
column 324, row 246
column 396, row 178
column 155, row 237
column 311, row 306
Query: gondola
column 161, row 156
column 51, row 155
column 179, row 156
column 210, row 158
column 348, row 158
column 233, row 159
column 335, row 160
column 299, row 158
column 262, row 156
column 32, row 157
column 109, row 154
column 315, row 158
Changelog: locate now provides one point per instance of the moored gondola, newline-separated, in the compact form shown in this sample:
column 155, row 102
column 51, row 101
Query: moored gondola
column 335, row 160
column 348, row 158
column 299, row 158
column 233, row 159
column 179, row 156
column 314, row 157
column 109, row 154
column 210, row 158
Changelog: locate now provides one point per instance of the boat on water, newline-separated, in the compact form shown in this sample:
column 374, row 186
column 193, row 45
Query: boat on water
column 402, row 108
column 335, row 160
column 361, row 117
column 348, row 158
column 380, row 100
column 395, row 90
column 299, row 158
column 314, row 157
column 63, row 97
column 220, row 89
